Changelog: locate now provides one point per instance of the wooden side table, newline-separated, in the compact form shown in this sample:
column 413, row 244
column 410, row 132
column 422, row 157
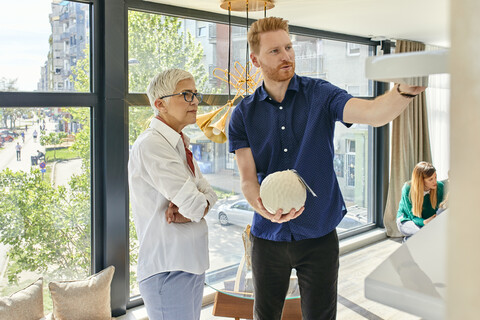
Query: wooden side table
column 242, row 308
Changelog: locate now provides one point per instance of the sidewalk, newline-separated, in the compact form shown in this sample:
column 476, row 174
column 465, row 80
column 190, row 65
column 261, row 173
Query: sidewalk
column 226, row 182
column 9, row 154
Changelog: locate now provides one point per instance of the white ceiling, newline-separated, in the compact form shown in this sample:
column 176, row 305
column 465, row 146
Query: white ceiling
column 426, row 21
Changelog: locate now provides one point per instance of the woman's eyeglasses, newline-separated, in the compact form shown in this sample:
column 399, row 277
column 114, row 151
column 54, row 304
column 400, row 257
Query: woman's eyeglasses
column 187, row 95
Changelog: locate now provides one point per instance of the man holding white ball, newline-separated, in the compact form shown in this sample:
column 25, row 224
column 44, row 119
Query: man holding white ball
column 288, row 123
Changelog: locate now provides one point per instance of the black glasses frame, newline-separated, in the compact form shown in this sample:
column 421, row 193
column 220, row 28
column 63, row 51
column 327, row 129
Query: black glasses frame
column 185, row 93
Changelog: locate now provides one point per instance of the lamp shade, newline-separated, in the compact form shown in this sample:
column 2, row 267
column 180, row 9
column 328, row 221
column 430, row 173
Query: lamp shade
column 411, row 68
column 253, row 5
column 283, row 190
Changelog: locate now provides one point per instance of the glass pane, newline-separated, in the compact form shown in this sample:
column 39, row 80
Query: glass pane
column 139, row 120
column 340, row 63
column 205, row 49
column 45, row 207
column 438, row 107
column 48, row 46
column 202, row 48
column 159, row 42
column 350, row 163
column 225, row 222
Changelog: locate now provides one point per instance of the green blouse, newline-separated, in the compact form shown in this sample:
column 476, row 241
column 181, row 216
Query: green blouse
column 405, row 206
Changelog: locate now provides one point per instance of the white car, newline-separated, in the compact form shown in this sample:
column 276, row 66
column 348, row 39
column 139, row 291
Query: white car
column 239, row 213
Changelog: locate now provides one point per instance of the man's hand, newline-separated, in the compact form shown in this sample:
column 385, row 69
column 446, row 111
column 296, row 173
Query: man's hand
column 278, row 217
column 410, row 89
column 172, row 215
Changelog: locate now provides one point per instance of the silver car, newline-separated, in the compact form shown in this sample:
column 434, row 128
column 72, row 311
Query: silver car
column 239, row 213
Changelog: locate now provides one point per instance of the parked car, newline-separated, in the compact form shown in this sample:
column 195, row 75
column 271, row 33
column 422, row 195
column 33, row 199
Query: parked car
column 9, row 132
column 6, row 137
column 239, row 213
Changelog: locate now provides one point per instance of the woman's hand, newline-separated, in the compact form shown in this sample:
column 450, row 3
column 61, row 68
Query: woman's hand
column 429, row 219
column 172, row 215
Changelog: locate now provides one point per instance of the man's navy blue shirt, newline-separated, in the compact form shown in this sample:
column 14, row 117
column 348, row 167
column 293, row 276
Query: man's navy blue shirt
column 296, row 133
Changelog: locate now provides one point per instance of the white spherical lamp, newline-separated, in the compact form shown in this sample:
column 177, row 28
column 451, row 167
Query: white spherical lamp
column 283, row 190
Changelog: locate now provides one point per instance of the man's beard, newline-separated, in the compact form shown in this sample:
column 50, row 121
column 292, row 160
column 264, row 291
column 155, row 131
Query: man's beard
column 278, row 74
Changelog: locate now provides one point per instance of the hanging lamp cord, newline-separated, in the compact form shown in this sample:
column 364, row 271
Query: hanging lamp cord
column 229, row 44
column 247, row 58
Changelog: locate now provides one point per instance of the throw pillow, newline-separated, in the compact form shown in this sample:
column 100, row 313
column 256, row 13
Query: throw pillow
column 25, row 304
column 83, row 299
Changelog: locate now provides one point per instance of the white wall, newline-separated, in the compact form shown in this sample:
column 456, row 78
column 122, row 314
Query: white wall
column 463, row 267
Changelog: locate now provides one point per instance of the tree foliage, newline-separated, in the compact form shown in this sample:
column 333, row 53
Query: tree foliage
column 7, row 84
column 46, row 229
column 158, row 43
column 53, row 138
column 81, row 72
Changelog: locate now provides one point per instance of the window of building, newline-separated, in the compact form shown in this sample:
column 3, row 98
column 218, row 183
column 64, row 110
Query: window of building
column 45, row 187
column 354, row 90
column 350, row 162
column 202, row 31
column 353, row 49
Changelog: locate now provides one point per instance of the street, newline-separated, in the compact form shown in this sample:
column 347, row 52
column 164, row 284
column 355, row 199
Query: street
column 29, row 148
column 8, row 159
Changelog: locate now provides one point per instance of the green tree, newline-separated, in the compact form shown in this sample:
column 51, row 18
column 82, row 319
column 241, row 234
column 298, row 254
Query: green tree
column 53, row 138
column 7, row 84
column 81, row 72
column 158, row 43
column 46, row 229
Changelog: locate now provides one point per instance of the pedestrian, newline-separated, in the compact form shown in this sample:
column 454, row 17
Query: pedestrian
column 18, row 148
column 169, row 198
column 288, row 123
column 40, row 155
column 35, row 134
column 23, row 136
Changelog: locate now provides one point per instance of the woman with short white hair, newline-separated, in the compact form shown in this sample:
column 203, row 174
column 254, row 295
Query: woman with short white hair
column 169, row 198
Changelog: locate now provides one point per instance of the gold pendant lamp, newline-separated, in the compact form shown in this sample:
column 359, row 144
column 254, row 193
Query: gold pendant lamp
column 216, row 131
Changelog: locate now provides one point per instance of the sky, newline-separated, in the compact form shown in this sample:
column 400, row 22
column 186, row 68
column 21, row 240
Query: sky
column 24, row 33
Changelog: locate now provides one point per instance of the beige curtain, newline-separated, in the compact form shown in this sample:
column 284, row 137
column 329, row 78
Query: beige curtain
column 410, row 145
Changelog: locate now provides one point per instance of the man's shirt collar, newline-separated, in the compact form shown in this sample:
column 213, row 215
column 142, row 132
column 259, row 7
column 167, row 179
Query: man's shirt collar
column 292, row 86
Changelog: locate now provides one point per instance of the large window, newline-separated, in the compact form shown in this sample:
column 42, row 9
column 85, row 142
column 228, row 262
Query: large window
column 178, row 43
column 46, row 225
column 64, row 203
column 48, row 46
column 45, row 208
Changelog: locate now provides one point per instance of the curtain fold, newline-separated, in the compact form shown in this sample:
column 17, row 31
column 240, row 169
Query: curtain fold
column 410, row 145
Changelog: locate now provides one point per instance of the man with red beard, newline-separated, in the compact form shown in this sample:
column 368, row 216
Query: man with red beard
column 288, row 123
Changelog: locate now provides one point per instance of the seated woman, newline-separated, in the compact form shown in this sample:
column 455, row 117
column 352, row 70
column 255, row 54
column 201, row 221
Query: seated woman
column 420, row 199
